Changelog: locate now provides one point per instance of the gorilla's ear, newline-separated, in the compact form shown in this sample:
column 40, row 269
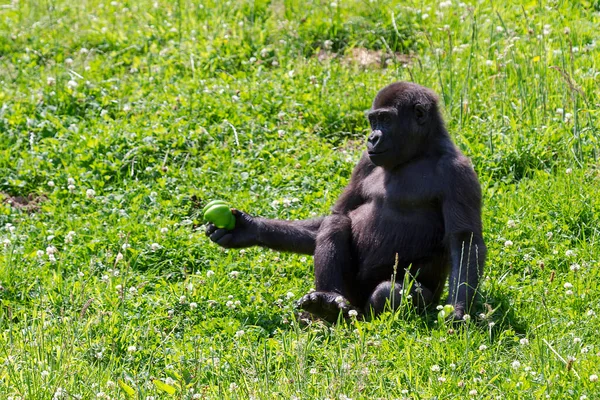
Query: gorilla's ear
column 421, row 113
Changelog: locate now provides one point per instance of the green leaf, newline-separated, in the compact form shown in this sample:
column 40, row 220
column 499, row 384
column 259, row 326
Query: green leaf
column 164, row 387
column 126, row 388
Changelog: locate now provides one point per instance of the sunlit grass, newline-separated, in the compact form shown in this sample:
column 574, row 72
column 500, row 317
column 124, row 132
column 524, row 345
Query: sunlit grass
column 114, row 114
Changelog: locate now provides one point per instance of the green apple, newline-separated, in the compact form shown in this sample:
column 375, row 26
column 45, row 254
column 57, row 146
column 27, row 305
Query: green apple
column 212, row 203
column 448, row 309
column 220, row 215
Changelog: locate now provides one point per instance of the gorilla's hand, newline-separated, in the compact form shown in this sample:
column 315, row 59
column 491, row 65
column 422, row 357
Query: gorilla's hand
column 244, row 234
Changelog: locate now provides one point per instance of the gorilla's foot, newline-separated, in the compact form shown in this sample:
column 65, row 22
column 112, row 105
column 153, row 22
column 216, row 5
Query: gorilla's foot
column 327, row 306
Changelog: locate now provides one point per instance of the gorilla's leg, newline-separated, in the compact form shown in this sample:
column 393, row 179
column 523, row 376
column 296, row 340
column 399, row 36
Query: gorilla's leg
column 390, row 295
column 334, row 270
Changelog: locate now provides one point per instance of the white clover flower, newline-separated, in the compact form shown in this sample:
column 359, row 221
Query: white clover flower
column 289, row 295
column 131, row 349
column 508, row 243
column 90, row 193
column 71, row 188
column 516, row 364
column 182, row 299
column 50, row 250
column 312, row 371
column 339, row 300
column 590, row 313
column 50, row 183
column 489, row 63
column 569, row 253
column 45, row 373
column 239, row 333
column 575, row 267
column 511, row 223
column 234, row 274
column 210, row 273
column 193, row 305
column 441, row 379
column 547, row 30
column 549, row 235
column 594, row 378
column 50, row 81
column 169, row 380
column 155, row 247
column 353, row 313
column 164, row 230
column 40, row 253
column 69, row 237
column 473, row 392
column 435, row 368
column 125, row 246
column 233, row 387
column 72, row 84
column 524, row 342
column 133, row 290
column 569, row 293
column 230, row 304
column 127, row 107
column 576, row 340
column 499, row 29
column 425, row 16
column 483, row 347
column 568, row 285
column 69, row 61
column 466, row 317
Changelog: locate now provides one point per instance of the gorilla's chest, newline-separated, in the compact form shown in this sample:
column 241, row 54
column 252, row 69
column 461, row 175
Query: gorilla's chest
column 411, row 188
column 401, row 212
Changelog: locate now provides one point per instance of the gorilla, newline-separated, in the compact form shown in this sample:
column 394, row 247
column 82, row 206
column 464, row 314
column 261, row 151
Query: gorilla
column 413, row 204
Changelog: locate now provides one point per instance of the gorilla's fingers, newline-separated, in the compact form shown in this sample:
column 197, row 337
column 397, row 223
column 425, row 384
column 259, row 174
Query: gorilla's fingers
column 210, row 229
column 216, row 235
column 224, row 241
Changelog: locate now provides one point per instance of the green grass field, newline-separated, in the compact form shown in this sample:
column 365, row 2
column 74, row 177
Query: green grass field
column 113, row 115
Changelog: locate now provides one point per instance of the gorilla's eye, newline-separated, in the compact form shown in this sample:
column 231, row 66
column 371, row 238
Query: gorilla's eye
column 385, row 119
column 372, row 121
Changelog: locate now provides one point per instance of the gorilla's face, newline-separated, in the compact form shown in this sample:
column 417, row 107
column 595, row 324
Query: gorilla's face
column 396, row 134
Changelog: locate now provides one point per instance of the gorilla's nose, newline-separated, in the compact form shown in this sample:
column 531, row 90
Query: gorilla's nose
column 374, row 138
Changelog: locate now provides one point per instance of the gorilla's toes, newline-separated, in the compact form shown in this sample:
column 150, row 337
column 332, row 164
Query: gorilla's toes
column 326, row 305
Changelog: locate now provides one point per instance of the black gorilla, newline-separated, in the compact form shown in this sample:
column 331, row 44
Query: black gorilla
column 413, row 195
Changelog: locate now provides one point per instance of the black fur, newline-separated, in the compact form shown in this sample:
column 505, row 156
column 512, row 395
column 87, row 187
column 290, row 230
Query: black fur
column 413, row 195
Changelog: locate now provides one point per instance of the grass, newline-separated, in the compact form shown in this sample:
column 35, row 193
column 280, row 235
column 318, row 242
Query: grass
column 114, row 114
